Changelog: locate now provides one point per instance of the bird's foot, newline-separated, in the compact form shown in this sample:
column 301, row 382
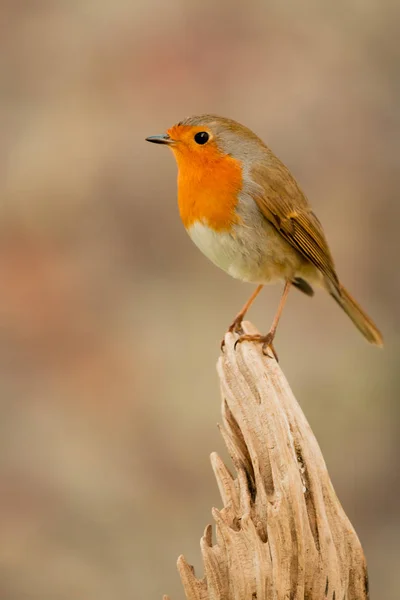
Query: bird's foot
column 265, row 340
column 234, row 327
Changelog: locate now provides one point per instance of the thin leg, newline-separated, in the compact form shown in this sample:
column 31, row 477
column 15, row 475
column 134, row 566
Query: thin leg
column 240, row 316
column 237, row 321
column 282, row 303
column 267, row 340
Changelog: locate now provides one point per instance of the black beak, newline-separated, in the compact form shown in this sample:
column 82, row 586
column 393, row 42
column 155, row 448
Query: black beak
column 160, row 139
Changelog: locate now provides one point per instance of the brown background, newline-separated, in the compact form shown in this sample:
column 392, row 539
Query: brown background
column 110, row 318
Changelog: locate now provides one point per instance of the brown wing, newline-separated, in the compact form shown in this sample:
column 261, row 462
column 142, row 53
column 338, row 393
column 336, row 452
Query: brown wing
column 283, row 203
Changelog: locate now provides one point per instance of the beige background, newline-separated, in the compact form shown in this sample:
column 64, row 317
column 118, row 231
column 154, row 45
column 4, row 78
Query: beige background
column 110, row 318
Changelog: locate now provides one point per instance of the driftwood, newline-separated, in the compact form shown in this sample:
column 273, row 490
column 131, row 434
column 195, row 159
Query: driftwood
column 282, row 533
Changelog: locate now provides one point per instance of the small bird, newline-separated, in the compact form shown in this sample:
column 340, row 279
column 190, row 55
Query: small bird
column 244, row 210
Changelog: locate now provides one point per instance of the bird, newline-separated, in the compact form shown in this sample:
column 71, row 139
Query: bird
column 245, row 211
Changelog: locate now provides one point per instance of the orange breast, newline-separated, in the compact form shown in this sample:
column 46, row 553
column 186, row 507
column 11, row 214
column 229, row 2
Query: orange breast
column 208, row 188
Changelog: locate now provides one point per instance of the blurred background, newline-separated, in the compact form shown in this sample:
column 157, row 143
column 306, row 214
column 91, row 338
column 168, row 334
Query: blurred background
column 110, row 318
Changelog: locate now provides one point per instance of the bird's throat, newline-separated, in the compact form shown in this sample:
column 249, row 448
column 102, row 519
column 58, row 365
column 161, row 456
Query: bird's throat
column 209, row 192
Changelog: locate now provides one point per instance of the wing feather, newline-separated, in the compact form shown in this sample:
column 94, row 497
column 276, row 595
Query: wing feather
column 282, row 202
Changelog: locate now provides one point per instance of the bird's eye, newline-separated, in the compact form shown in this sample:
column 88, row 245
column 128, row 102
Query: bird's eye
column 201, row 137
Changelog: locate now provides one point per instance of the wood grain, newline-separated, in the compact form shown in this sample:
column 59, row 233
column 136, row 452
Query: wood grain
column 282, row 533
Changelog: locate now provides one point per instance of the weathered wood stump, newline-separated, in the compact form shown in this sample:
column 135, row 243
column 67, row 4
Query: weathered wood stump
column 282, row 533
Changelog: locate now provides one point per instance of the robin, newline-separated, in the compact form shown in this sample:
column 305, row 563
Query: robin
column 244, row 210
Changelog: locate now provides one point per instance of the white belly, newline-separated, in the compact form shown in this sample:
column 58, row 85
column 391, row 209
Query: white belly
column 257, row 255
column 217, row 247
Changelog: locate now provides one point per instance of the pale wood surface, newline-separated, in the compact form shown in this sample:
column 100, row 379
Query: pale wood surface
column 282, row 533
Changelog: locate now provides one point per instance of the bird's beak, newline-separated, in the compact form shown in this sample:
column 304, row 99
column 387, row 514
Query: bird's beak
column 160, row 139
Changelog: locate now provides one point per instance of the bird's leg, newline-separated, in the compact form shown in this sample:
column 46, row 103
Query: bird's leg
column 237, row 321
column 267, row 340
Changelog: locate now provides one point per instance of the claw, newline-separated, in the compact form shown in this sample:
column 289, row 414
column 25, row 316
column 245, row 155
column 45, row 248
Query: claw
column 235, row 327
column 265, row 340
column 269, row 346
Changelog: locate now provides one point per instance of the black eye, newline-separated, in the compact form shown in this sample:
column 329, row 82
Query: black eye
column 202, row 137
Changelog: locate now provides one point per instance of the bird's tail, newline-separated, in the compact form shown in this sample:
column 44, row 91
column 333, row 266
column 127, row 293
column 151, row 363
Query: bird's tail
column 357, row 315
